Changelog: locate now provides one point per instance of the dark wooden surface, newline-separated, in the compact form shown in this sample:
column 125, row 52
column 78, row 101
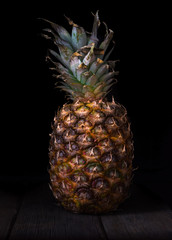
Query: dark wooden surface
column 33, row 214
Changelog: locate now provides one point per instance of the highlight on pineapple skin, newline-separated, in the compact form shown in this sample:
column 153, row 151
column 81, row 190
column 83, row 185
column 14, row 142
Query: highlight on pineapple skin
column 91, row 144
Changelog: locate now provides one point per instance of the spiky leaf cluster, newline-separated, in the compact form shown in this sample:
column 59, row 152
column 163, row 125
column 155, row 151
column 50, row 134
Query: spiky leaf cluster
column 81, row 60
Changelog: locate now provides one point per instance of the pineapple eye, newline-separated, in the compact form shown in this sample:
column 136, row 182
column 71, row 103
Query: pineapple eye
column 85, row 139
column 99, row 130
column 107, row 143
column 92, row 152
column 97, row 114
column 82, row 161
column 60, row 128
column 107, row 107
column 64, row 168
column 84, row 108
column 96, row 117
column 113, row 173
column 59, row 140
column 57, row 194
column 53, row 177
column 80, row 122
column 71, row 146
column 74, row 146
column 65, row 186
column 110, row 121
column 70, row 120
column 83, row 126
column 53, row 162
column 120, row 111
column 90, row 139
column 121, row 149
column 71, row 132
column 78, row 160
column 60, row 154
column 77, row 104
column 79, row 177
column 94, row 168
column 108, row 157
column 124, row 165
column 117, row 137
column 84, row 193
column 69, row 135
column 100, row 183
column 65, row 110
column 82, row 111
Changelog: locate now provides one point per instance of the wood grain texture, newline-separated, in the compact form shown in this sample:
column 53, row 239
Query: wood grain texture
column 142, row 217
column 36, row 216
column 41, row 218
column 9, row 205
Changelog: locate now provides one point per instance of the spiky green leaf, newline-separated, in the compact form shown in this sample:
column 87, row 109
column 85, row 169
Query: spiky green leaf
column 106, row 57
column 96, row 65
column 85, row 76
column 65, row 54
column 79, row 37
column 96, row 24
column 74, row 63
column 57, row 56
column 62, row 32
column 80, row 70
column 99, row 88
column 92, row 80
column 87, row 88
column 102, row 70
column 105, row 89
column 104, row 45
column 90, row 57
column 107, row 76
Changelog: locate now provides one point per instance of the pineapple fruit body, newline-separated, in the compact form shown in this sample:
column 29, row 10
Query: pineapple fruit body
column 91, row 154
column 91, row 147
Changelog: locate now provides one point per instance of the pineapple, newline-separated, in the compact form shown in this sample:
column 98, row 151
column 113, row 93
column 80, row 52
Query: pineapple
column 91, row 146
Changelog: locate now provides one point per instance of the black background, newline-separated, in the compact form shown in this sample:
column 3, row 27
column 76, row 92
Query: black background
column 142, row 36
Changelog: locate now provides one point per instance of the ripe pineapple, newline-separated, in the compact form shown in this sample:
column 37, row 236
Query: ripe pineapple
column 91, row 147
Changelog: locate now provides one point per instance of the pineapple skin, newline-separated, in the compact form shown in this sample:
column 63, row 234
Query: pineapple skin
column 90, row 155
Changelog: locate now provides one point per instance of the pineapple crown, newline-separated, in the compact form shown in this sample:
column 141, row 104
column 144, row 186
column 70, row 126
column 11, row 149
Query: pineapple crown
column 81, row 61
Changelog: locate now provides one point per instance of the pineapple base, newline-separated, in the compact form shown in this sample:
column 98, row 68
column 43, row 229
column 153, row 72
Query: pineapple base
column 91, row 152
column 96, row 206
